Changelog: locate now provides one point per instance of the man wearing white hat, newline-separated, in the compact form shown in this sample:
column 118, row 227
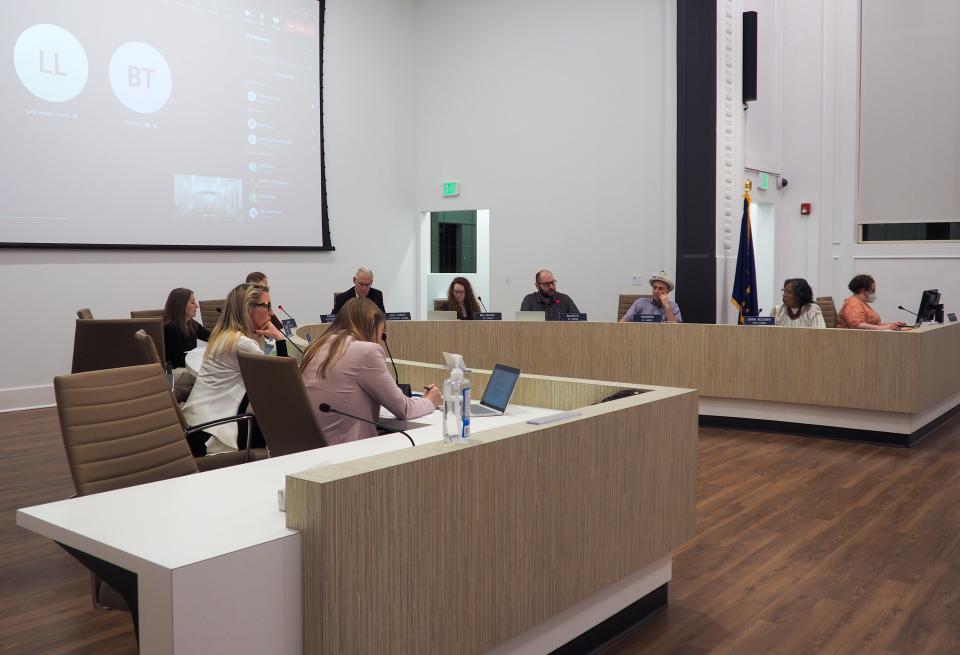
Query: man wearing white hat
column 661, row 285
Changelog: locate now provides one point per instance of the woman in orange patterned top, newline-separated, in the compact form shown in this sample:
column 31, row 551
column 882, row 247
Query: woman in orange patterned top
column 856, row 312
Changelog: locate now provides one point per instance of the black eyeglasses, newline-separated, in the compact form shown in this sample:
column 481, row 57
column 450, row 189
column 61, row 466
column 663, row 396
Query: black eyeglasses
column 265, row 305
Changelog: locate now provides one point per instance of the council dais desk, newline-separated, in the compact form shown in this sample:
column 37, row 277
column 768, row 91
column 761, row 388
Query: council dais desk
column 885, row 387
column 516, row 543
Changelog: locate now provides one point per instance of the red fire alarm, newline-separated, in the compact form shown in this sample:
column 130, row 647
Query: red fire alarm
column 804, row 208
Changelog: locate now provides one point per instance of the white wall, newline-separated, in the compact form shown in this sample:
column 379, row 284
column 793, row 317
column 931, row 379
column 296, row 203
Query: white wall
column 368, row 95
column 813, row 92
column 560, row 118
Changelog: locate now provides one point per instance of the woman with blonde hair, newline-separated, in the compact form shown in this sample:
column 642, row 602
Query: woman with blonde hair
column 346, row 368
column 460, row 299
column 219, row 389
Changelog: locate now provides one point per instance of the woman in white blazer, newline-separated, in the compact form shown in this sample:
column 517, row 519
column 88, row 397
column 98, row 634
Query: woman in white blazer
column 217, row 393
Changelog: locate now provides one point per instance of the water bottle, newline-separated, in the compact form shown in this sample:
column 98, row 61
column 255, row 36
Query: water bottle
column 456, row 408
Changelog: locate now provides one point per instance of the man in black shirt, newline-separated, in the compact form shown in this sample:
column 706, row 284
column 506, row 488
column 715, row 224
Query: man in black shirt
column 362, row 288
column 547, row 299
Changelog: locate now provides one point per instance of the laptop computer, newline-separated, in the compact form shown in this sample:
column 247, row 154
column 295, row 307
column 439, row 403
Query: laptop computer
column 497, row 395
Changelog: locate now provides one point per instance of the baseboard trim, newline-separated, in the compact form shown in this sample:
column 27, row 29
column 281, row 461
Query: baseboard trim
column 876, row 437
column 21, row 398
column 626, row 619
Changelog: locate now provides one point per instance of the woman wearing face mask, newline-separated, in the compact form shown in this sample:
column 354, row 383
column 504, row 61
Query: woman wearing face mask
column 856, row 312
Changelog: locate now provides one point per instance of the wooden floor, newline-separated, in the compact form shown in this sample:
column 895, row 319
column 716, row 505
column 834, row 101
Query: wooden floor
column 803, row 546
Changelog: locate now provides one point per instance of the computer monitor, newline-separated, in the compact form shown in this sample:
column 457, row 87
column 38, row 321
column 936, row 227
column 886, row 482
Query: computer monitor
column 930, row 307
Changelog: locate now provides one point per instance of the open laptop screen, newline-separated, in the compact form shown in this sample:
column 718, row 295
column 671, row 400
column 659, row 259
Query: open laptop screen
column 500, row 388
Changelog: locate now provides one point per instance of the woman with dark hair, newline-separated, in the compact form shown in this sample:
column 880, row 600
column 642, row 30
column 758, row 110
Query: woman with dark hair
column 346, row 368
column 460, row 299
column 856, row 312
column 798, row 308
column 180, row 334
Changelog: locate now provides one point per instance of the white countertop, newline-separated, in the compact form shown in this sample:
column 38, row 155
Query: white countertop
column 177, row 522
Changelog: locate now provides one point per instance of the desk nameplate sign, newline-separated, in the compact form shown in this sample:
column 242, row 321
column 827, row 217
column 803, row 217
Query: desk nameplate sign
column 572, row 317
column 288, row 325
column 397, row 316
column 327, row 318
column 758, row 320
column 488, row 316
column 952, row 317
column 650, row 318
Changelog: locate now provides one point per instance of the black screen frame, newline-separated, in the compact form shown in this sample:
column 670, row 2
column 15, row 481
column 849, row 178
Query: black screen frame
column 324, row 216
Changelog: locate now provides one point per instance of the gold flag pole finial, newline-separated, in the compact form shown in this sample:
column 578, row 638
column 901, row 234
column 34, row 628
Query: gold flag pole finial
column 747, row 185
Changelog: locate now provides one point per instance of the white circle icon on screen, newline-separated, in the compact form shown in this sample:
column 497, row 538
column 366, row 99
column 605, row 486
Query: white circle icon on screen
column 252, row 124
column 140, row 77
column 253, row 213
column 51, row 63
column 252, row 139
column 251, row 96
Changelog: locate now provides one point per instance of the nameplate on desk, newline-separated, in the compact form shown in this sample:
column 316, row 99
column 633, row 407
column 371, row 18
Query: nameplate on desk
column 572, row 317
column 650, row 318
column 327, row 318
column 288, row 325
column 397, row 316
column 952, row 317
column 488, row 316
column 758, row 320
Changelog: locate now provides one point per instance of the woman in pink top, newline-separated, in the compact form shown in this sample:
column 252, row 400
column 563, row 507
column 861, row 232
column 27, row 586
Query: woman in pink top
column 346, row 369
column 856, row 312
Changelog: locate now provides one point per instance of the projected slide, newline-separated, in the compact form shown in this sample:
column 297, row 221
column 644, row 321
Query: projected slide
column 181, row 123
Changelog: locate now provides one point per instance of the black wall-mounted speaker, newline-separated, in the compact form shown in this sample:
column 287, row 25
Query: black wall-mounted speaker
column 749, row 56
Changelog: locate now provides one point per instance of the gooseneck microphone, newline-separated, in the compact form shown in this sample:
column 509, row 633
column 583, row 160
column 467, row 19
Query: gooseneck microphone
column 279, row 325
column 405, row 388
column 327, row 409
column 480, row 300
column 907, row 310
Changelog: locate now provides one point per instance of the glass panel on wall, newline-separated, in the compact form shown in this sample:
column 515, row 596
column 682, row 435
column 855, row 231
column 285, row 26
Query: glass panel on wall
column 933, row 231
column 453, row 242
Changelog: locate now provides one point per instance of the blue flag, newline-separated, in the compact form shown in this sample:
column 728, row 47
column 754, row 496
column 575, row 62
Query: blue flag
column 744, row 295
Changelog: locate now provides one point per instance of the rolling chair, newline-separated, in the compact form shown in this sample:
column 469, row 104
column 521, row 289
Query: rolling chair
column 280, row 403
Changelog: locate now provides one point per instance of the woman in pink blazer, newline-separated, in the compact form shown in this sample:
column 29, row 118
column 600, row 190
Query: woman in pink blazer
column 346, row 369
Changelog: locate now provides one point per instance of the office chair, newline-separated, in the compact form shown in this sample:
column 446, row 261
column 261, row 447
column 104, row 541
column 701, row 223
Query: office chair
column 99, row 344
column 280, row 403
column 210, row 312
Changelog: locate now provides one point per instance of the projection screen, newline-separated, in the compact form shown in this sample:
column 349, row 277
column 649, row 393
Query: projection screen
column 162, row 124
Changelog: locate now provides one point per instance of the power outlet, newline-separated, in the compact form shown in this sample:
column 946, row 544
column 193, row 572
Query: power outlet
column 637, row 281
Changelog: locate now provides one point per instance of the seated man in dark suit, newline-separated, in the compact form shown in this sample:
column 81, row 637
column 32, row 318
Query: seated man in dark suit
column 362, row 288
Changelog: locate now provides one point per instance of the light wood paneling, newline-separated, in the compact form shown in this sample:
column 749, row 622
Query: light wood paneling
column 440, row 549
column 939, row 363
column 855, row 369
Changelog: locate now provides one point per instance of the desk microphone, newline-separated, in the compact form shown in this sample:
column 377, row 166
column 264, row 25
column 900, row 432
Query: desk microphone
column 405, row 388
column 327, row 409
column 279, row 325
column 907, row 310
column 482, row 305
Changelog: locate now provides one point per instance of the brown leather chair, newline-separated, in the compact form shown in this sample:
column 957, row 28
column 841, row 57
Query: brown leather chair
column 99, row 344
column 829, row 310
column 439, row 304
column 627, row 299
column 208, row 312
column 208, row 463
column 120, row 428
column 84, row 313
column 280, row 404
column 146, row 313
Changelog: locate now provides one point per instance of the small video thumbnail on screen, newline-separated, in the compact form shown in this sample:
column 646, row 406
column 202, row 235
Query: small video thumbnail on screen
column 215, row 199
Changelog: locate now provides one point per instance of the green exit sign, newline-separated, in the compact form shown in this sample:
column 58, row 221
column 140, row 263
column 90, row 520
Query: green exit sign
column 450, row 189
column 764, row 181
